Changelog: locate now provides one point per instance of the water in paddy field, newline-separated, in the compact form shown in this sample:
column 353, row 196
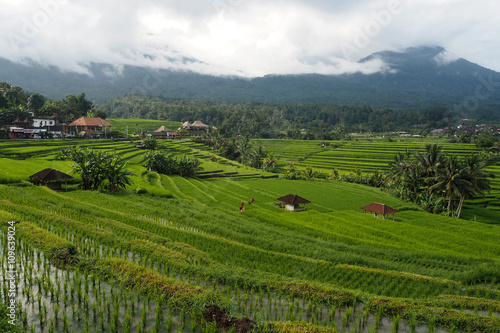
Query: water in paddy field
column 82, row 304
column 344, row 319
column 58, row 300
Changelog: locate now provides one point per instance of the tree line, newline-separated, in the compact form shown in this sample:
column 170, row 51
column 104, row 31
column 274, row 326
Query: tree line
column 325, row 121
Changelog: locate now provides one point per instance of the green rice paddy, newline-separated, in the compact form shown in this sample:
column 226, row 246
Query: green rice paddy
column 329, row 268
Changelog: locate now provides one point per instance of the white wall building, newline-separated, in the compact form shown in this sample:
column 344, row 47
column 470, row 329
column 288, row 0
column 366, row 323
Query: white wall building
column 43, row 122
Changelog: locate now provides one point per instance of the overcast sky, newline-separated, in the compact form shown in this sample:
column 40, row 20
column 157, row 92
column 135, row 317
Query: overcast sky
column 244, row 37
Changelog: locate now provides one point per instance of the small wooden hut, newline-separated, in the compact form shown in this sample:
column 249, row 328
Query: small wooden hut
column 380, row 209
column 293, row 202
column 51, row 178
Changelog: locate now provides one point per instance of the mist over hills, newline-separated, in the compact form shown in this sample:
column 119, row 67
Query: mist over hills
column 416, row 78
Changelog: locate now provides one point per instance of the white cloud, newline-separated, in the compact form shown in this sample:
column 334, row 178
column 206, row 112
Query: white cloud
column 243, row 37
column 445, row 57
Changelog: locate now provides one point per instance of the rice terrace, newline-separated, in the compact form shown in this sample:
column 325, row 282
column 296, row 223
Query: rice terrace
column 214, row 251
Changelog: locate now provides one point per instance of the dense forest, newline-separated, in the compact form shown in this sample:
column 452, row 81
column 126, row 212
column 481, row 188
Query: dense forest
column 268, row 120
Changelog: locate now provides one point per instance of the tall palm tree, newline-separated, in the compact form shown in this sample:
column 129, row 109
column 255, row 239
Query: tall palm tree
column 453, row 182
column 308, row 173
column 431, row 161
column 243, row 148
column 474, row 168
column 256, row 156
column 399, row 169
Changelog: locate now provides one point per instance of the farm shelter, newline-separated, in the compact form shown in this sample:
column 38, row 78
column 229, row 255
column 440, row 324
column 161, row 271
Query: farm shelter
column 380, row 209
column 51, row 178
column 91, row 126
column 196, row 128
column 164, row 132
column 196, row 125
column 293, row 203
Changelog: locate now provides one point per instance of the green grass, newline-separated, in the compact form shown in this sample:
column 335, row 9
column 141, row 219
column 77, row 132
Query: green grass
column 191, row 229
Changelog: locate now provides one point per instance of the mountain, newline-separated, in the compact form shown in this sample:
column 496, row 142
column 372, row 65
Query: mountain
column 418, row 78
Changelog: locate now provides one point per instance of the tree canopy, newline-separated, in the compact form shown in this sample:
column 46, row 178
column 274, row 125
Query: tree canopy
column 15, row 103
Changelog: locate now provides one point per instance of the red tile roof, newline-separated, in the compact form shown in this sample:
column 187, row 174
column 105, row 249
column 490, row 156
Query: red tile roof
column 379, row 208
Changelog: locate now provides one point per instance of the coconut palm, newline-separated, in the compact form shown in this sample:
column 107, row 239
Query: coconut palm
column 243, row 149
column 399, row 169
column 308, row 173
column 474, row 168
column 431, row 161
column 256, row 156
column 452, row 182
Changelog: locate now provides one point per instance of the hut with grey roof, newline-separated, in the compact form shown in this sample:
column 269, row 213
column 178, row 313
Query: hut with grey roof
column 51, row 178
column 293, row 202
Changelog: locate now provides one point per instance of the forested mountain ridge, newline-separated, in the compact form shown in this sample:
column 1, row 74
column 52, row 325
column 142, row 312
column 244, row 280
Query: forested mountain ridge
column 418, row 78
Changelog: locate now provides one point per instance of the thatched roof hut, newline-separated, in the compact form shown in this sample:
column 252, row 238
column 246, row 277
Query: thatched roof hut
column 198, row 124
column 380, row 209
column 163, row 129
column 293, row 202
column 51, row 178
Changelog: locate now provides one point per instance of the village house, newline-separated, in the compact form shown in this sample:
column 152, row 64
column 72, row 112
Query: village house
column 37, row 122
column 90, row 127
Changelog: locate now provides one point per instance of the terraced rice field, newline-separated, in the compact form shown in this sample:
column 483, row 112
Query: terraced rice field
column 138, row 125
column 330, row 268
column 371, row 156
column 348, row 155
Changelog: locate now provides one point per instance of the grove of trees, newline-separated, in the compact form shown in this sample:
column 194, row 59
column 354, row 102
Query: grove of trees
column 15, row 103
column 438, row 182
